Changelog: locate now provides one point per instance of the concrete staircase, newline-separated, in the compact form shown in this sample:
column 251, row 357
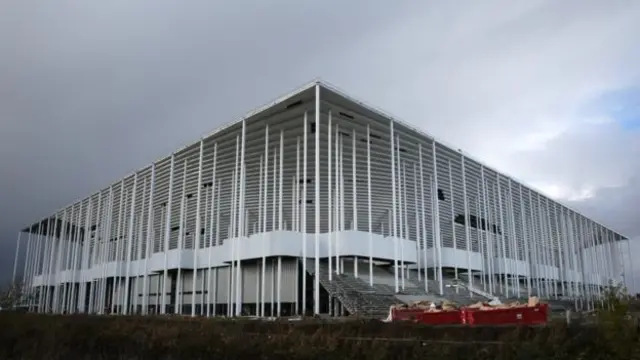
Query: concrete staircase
column 354, row 294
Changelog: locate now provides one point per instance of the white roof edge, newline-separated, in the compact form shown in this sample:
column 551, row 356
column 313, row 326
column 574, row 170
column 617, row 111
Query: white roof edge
column 255, row 111
column 338, row 91
column 386, row 114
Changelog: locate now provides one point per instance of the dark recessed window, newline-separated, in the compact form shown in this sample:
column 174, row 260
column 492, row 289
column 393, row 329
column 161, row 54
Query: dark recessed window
column 175, row 228
column 374, row 136
column 440, row 195
column 294, row 104
column 309, row 181
column 346, row 115
column 309, row 201
column 312, row 127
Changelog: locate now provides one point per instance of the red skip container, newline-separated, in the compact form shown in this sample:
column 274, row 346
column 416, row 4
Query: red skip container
column 513, row 316
column 442, row 318
column 431, row 318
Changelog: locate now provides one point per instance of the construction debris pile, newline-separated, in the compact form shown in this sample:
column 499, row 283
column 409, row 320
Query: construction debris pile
column 533, row 302
column 427, row 306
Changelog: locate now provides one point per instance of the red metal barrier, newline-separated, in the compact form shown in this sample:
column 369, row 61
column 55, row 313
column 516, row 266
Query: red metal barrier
column 511, row 316
column 425, row 317
column 406, row 314
column 441, row 318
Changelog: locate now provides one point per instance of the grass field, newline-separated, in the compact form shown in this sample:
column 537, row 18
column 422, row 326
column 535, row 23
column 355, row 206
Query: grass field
column 30, row 336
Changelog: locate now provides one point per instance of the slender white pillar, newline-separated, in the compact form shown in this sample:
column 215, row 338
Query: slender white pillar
column 370, row 229
column 424, row 222
column 148, row 241
column 417, row 219
column 264, row 219
column 354, row 194
column 304, row 215
column 261, row 217
column 210, row 293
column 280, row 217
column 525, row 235
column 337, row 199
column 116, row 277
column 167, row 235
column 330, row 215
column 241, row 223
column 316, row 181
column 467, row 222
column 436, row 214
column 393, row 207
column 197, row 237
column 181, row 232
column 139, row 219
column 130, row 245
column 453, row 216
column 15, row 258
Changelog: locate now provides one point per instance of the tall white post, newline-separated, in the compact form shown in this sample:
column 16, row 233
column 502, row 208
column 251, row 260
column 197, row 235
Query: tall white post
column 167, row 235
column 453, row 217
column 370, row 230
column 317, row 205
column 181, row 232
column 130, row 241
column 264, row 219
column 148, row 242
column 197, row 237
column 15, row 258
column 210, row 293
column 467, row 223
column 330, row 231
column 354, row 193
column 241, row 223
column 304, row 216
column 436, row 215
column 424, row 222
column 280, row 219
column 393, row 208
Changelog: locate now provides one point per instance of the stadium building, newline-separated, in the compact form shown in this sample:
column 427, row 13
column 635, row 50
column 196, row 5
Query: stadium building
column 315, row 203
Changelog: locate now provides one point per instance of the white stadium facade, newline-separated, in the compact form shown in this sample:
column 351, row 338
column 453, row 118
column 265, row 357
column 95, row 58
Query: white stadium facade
column 314, row 183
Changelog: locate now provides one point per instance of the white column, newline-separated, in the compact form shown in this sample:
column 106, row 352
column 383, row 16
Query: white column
column 130, row 245
column 280, row 218
column 241, row 222
column 304, row 215
column 370, row 230
column 116, row 278
column 213, row 209
column 354, row 193
column 393, row 207
column 196, row 241
column 264, row 219
column 148, row 242
column 181, row 232
column 317, row 205
column 453, row 216
column 330, row 232
column 437, row 239
column 424, row 222
column 167, row 235
column 526, row 238
column 15, row 258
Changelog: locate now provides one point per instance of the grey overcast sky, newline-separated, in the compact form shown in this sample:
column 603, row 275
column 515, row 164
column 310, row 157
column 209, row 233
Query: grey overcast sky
column 547, row 91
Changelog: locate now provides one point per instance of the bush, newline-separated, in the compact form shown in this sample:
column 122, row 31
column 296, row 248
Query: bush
column 31, row 336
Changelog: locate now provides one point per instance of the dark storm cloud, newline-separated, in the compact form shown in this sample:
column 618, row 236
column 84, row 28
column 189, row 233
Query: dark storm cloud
column 92, row 91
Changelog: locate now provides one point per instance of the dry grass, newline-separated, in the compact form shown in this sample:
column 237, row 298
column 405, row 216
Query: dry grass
column 29, row 336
